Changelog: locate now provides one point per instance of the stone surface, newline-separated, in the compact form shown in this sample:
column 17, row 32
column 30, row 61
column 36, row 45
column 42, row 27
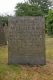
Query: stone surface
column 2, row 36
column 26, row 41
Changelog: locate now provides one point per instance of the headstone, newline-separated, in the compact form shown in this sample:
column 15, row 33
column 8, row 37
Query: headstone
column 2, row 36
column 26, row 41
column 6, row 32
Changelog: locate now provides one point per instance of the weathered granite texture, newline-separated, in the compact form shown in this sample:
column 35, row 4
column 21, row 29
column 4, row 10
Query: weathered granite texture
column 26, row 41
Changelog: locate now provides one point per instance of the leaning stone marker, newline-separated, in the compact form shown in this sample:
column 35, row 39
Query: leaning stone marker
column 2, row 36
column 26, row 41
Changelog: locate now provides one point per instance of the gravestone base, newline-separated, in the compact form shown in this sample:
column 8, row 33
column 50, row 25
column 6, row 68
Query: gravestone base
column 27, row 60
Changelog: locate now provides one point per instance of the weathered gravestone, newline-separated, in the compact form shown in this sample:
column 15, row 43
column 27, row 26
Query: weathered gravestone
column 6, row 27
column 26, row 44
column 2, row 36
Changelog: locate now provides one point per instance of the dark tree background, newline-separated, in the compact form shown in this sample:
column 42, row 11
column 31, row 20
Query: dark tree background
column 25, row 9
column 44, row 5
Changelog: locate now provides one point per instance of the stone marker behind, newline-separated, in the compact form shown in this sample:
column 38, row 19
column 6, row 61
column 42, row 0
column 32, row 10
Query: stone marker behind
column 2, row 36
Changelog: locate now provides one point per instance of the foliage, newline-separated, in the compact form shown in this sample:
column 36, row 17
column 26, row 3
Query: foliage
column 49, row 22
column 44, row 5
column 25, row 9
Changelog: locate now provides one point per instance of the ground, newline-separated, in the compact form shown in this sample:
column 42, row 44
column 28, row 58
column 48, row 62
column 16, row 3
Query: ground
column 27, row 72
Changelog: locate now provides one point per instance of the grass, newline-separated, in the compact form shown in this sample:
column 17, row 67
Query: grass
column 25, row 72
column 49, row 48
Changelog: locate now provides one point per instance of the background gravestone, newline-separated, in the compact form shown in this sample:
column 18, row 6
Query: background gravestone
column 6, row 27
column 26, row 43
column 2, row 36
